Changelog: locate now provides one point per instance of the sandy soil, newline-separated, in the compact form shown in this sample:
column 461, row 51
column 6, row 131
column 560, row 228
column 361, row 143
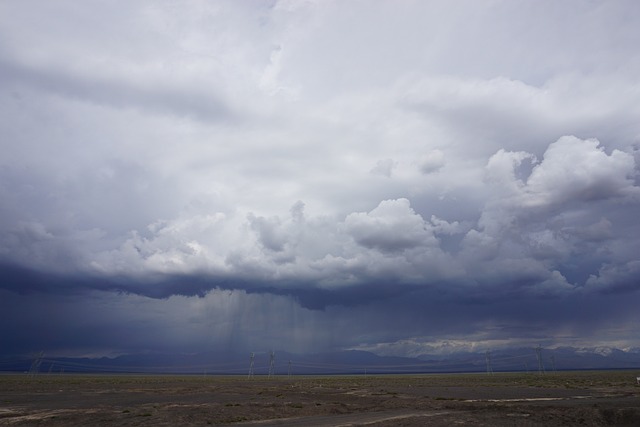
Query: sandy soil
column 554, row 399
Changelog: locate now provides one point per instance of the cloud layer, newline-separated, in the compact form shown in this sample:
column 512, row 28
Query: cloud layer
column 420, row 172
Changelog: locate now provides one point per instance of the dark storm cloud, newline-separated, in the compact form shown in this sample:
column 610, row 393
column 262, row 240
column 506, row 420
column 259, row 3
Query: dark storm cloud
column 24, row 281
column 94, row 321
column 283, row 174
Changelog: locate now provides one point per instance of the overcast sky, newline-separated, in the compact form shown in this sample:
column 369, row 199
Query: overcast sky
column 396, row 176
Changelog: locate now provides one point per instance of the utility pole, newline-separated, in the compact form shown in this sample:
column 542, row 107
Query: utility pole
column 251, row 357
column 289, row 371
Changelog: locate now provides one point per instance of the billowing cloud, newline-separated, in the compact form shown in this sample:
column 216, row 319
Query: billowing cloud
column 421, row 172
column 391, row 226
column 575, row 170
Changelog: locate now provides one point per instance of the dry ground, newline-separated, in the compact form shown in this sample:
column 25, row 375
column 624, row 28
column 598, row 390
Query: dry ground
column 502, row 399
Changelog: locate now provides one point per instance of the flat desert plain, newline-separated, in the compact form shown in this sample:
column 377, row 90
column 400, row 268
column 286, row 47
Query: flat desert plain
column 501, row 399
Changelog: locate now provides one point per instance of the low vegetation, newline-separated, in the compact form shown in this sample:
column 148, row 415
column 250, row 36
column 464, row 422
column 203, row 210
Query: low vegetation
column 556, row 398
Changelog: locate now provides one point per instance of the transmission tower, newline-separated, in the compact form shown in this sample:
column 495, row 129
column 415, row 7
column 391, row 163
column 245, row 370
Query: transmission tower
column 487, row 359
column 272, row 360
column 553, row 362
column 289, row 370
column 539, row 357
column 35, row 366
column 251, row 357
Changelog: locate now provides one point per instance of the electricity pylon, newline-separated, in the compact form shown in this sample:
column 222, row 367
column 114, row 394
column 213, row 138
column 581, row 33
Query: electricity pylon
column 487, row 359
column 251, row 365
column 272, row 360
column 35, row 366
column 539, row 356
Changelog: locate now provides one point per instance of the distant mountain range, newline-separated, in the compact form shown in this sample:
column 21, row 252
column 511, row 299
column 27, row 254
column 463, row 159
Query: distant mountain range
column 343, row 362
